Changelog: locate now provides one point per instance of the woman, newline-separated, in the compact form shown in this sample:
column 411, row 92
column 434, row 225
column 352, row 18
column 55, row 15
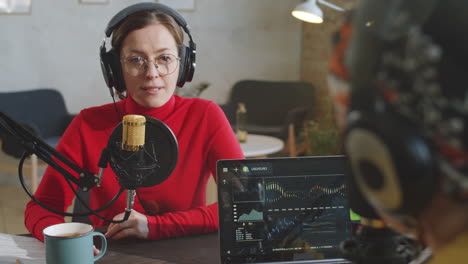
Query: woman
column 148, row 43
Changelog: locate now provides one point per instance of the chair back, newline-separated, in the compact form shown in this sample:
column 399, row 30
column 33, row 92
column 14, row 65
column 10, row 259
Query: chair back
column 268, row 102
column 43, row 110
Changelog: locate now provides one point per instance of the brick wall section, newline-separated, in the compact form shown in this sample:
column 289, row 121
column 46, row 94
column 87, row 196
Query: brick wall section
column 316, row 50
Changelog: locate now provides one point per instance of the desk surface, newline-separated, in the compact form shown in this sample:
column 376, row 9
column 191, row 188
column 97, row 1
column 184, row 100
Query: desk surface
column 261, row 145
column 185, row 250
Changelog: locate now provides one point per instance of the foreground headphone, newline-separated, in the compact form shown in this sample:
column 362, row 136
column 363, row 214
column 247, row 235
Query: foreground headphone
column 396, row 106
column 110, row 60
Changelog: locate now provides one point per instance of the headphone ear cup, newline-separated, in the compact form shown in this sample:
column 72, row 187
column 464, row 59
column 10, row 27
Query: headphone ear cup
column 190, row 63
column 182, row 67
column 106, row 67
column 187, row 66
column 116, row 67
column 393, row 168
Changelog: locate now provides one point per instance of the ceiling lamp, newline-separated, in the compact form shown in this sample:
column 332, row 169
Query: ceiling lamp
column 310, row 12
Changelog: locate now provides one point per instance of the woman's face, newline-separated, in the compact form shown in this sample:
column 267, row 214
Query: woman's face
column 149, row 88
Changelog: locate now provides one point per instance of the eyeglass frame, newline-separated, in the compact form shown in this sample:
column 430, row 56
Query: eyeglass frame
column 125, row 61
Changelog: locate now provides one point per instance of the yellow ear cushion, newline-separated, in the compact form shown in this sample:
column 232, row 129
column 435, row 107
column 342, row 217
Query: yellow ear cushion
column 364, row 146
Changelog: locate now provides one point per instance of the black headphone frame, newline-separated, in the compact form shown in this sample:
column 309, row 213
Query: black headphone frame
column 110, row 60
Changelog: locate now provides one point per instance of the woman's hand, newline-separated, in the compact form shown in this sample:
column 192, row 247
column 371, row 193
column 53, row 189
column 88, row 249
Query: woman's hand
column 96, row 251
column 135, row 226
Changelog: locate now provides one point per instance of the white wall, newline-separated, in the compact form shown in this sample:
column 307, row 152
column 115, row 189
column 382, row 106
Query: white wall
column 57, row 46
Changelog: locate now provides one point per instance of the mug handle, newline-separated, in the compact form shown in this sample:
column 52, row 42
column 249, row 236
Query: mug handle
column 103, row 247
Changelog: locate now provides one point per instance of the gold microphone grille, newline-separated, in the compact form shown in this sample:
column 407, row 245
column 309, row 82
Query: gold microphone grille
column 133, row 134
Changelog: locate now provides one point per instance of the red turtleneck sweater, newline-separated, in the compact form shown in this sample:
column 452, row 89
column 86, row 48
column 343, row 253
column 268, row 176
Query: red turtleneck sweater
column 178, row 205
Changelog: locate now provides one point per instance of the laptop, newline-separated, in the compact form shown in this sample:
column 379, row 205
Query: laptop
column 282, row 210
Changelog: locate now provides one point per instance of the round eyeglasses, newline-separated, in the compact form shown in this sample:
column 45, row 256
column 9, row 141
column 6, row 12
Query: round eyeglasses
column 165, row 64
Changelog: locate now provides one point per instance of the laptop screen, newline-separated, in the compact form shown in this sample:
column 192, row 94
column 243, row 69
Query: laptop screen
column 282, row 209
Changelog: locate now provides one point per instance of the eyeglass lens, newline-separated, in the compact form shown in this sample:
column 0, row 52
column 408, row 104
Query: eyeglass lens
column 164, row 64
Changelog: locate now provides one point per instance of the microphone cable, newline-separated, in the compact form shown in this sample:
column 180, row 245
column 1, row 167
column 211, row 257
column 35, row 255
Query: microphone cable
column 90, row 211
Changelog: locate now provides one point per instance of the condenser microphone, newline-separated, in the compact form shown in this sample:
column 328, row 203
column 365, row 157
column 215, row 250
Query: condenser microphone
column 133, row 133
column 143, row 152
column 133, row 142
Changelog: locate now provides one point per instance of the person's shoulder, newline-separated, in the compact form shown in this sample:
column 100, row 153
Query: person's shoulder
column 192, row 101
column 195, row 103
column 100, row 113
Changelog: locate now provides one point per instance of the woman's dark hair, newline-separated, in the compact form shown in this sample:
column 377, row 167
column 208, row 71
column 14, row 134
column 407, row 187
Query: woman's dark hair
column 142, row 19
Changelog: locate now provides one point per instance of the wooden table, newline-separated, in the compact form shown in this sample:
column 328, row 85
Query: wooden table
column 186, row 250
column 261, row 145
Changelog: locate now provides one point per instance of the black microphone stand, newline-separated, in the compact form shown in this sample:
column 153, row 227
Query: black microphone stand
column 85, row 180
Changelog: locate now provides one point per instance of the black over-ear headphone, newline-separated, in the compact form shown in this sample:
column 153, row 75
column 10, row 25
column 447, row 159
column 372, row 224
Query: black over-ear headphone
column 393, row 159
column 110, row 60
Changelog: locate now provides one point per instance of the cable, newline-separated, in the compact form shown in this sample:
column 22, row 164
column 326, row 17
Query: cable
column 91, row 211
column 119, row 115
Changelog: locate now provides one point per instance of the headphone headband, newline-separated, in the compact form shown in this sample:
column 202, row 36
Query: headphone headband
column 119, row 17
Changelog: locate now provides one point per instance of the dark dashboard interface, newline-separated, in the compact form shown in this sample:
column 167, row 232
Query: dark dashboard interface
column 282, row 209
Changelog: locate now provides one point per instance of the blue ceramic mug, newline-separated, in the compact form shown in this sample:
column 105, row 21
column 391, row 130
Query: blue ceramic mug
column 72, row 243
